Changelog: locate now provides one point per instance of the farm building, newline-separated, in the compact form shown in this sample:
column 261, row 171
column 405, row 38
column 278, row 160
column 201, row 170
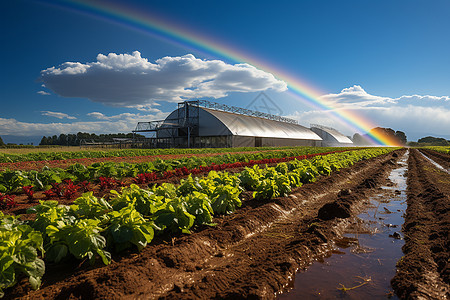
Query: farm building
column 331, row 137
column 202, row 123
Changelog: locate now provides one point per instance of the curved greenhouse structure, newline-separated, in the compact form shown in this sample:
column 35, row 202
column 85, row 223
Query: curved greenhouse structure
column 207, row 124
column 331, row 137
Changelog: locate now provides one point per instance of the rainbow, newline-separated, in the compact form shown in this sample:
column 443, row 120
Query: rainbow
column 133, row 18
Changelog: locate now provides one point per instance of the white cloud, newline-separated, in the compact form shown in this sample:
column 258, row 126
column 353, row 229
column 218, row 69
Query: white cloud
column 132, row 81
column 416, row 115
column 356, row 97
column 44, row 93
column 156, row 115
column 97, row 115
column 58, row 115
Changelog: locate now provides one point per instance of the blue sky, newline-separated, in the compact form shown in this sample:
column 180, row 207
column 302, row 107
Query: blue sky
column 387, row 60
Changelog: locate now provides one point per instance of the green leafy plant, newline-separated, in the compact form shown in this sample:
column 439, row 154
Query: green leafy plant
column 225, row 199
column 81, row 239
column 199, row 205
column 189, row 185
column 267, row 190
column 90, row 207
column 146, row 202
column 251, row 178
column 19, row 246
column 79, row 171
column 50, row 212
column 174, row 217
column 165, row 190
column 13, row 181
column 283, row 184
column 128, row 227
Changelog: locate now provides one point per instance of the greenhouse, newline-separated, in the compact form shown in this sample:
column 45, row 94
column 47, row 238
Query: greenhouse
column 207, row 124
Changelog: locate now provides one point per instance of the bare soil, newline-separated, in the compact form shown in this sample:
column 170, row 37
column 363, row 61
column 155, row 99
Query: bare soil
column 424, row 271
column 440, row 158
column 249, row 254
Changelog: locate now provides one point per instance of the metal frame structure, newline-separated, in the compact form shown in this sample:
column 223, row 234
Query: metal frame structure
column 243, row 111
column 182, row 130
column 184, row 126
column 321, row 127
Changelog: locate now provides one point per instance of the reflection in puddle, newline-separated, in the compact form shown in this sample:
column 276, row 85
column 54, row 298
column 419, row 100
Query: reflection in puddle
column 364, row 260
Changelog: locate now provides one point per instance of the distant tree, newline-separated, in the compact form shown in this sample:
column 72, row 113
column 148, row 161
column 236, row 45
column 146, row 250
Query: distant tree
column 433, row 141
column 44, row 141
column 62, row 140
column 1, row 142
column 75, row 139
column 401, row 136
column 54, row 140
column 388, row 133
column 72, row 139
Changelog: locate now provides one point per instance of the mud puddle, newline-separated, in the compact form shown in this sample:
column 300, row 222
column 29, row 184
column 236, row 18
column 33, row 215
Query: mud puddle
column 364, row 260
column 435, row 163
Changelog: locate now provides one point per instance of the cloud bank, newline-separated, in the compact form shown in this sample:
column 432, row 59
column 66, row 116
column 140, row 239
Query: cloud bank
column 132, row 81
column 416, row 115
column 125, row 122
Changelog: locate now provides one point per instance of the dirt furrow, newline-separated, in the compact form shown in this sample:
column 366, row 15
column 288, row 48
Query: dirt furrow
column 440, row 158
column 424, row 271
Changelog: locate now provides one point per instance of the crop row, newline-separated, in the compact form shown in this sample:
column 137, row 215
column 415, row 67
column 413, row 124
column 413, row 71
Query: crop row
column 441, row 149
column 91, row 228
column 47, row 156
column 37, row 165
column 14, row 181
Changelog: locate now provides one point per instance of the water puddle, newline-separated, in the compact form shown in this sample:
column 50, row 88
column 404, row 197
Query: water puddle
column 435, row 163
column 364, row 260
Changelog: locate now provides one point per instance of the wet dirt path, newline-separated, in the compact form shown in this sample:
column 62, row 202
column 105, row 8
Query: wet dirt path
column 441, row 158
column 424, row 271
column 437, row 165
column 364, row 259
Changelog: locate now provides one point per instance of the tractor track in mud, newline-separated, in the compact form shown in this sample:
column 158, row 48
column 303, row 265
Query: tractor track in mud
column 424, row 271
column 249, row 254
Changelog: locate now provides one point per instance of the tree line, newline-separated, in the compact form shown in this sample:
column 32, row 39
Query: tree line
column 430, row 141
column 75, row 139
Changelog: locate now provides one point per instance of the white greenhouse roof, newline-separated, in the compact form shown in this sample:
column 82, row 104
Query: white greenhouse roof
column 334, row 133
column 243, row 125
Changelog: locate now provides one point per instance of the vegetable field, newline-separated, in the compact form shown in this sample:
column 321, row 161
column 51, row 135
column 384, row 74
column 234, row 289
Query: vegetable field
column 105, row 217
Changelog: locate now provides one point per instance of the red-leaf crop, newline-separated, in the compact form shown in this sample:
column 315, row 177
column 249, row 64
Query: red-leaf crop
column 49, row 194
column 70, row 189
column 107, row 183
column 28, row 191
column 7, row 201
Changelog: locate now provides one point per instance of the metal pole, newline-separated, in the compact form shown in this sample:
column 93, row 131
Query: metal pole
column 189, row 137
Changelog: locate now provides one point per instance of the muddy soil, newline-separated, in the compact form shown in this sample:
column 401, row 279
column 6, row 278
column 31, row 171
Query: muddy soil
column 440, row 158
column 249, row 254
column 424, row 271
